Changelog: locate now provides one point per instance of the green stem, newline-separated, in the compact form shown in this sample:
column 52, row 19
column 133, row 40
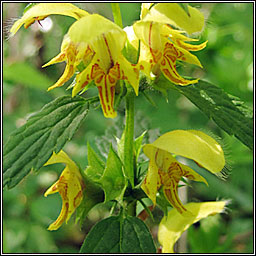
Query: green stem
column 129, row 135
column 131, row 208
column 117, row 14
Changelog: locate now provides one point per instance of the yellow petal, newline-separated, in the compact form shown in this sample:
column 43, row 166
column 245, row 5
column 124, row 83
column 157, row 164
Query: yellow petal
column 172, row 13
column 62, row 157
column 192, row 144
column 52, row 190
column 70, row 55
column 69, row 186
column 168, row 65
column 90, row 28
column 146, row 61
column 105, row 37
column 106, row 85
column 149, row 34
column 172, row 226
column 59, row 58
column 42, row 10
column 170, row 172
column 129, row 72
column 171, row 195
column 145, row 9
column 179, row 53
column 171, row 168
column 192, row 175
column 168, row 31
column 74, row 193
column 191, row 47
column 61, row 218
column 151, row 182
column 83, row 79
column 62, row 56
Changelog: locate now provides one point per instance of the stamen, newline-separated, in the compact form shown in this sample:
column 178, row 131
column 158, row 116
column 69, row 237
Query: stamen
column 40, row 23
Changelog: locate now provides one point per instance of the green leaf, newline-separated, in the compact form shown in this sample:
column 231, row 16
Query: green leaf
column 31, row 145
column 227, row 111
column 138, row 144
column 92, row 196
column 120, row 147
column 96, row 166
column 113, row 181
column 117, row 235
column 162, row 202
column 33, row 78
column 104, row 237
column 136, row 237
column 149, row 99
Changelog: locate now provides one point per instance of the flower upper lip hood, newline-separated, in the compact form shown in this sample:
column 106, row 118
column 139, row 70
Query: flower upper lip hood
column 174, row 14
column 194, row 145
column 42, row 10
column 91, row 29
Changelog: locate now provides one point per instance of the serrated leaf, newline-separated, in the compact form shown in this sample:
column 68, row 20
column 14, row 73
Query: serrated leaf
column 117, row 235
column 113, row 181
column 31, row 145
column 227, row 111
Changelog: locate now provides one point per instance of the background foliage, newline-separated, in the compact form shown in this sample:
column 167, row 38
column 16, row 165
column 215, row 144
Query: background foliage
column 227, row 62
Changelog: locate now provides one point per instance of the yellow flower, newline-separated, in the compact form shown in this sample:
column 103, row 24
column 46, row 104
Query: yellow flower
column 165, row 171
column 42, row 10
column 94, row 41
column 70, row 187
column 98, row 43
column 172, row 226
column 161, row 45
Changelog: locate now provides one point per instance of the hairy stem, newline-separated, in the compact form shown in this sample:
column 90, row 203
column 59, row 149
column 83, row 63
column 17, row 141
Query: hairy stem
column 129, row 135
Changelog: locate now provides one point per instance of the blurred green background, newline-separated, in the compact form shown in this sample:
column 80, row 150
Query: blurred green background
column 227, row 62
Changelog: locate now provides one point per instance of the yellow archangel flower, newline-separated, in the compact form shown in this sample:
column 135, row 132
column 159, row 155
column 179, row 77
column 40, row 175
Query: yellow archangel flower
column 97, row 42
column 161, row 45
column 165, row 171
column 70, row 187
column 43, row 10
column 172, row 226
column 94, row 41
